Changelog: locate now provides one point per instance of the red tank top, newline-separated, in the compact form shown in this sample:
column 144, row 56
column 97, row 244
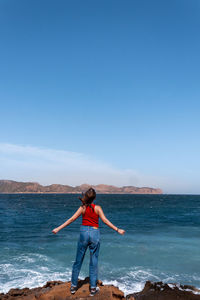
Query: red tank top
column 90, row 218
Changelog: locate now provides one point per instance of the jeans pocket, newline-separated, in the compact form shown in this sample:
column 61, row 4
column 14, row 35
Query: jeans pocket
column 95, row 236
column 83, row 237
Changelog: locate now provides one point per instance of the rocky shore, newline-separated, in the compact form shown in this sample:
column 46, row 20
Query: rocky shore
column 58, row 290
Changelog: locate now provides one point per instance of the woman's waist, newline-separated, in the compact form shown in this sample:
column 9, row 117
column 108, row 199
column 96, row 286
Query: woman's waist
column 89, row 227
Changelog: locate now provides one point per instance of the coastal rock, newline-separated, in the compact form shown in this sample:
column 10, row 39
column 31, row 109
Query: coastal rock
column 58, row 290
column 10, row 186
column 163, row 291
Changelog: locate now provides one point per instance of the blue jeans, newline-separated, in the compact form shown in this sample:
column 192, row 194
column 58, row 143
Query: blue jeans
column 89, row 236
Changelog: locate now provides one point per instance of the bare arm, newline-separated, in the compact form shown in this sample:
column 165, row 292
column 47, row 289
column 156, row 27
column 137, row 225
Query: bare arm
column 69, row 221
column 107, row 222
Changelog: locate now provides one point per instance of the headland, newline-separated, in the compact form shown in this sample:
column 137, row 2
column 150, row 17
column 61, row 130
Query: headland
column 13, row 187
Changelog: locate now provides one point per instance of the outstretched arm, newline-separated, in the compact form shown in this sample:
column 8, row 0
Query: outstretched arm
column 107, row 222
column 69, row 221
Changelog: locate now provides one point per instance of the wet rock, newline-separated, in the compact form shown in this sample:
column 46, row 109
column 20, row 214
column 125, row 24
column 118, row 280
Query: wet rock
column 163, row 291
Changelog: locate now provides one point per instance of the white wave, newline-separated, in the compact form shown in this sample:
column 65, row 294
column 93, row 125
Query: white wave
column 31, row 274
column 143, row 274
column 173, row 286
column 24, row 277
column 197, row 278
column 133, row 281
column 136, row 277
column 31, row 257
column 126, row 287
column 25, row 259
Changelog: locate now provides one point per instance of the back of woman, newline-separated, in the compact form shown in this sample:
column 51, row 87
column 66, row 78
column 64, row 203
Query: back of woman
column 89, row 238
column 90, row 217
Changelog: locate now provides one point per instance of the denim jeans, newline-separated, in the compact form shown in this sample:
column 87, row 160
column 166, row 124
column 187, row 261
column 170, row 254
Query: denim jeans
column 89, row 237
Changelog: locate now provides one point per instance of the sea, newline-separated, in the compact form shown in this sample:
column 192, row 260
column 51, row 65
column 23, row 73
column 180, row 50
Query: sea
column 161, row 243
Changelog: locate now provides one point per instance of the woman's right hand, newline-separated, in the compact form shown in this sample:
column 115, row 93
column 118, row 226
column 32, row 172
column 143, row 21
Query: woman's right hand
column 121, row 231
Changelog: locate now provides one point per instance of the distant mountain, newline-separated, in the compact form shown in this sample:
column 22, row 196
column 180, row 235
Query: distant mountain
column 10, row 186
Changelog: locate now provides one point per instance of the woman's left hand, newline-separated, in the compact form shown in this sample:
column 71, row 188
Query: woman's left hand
column 55, row 230
column 121, row 231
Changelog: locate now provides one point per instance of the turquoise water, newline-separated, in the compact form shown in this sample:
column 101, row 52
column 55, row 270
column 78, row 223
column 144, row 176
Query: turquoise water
column 162, row 240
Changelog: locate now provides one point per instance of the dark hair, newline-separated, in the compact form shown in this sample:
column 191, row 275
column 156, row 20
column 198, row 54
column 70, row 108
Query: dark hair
column 88, row 197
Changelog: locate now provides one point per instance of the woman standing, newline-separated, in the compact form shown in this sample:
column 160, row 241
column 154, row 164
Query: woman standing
column 89, row 237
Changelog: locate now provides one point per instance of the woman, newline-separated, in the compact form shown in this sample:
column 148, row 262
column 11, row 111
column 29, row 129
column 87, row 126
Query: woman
column 89, row 237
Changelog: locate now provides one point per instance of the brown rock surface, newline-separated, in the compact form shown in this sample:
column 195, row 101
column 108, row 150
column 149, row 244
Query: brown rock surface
column 58, row 290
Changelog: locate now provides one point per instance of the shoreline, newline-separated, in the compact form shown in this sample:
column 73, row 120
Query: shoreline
column 59, row 290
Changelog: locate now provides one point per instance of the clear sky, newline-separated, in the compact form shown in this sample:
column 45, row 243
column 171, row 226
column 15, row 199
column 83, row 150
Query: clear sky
column 101, row 92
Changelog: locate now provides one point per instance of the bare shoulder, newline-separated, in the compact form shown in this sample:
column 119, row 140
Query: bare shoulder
column 83, row 208
column 79, row 210
column 97, row 208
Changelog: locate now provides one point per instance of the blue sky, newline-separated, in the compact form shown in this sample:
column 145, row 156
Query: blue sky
column 101, row 92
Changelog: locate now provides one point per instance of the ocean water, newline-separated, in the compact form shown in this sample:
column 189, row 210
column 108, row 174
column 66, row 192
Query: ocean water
column 162, row 240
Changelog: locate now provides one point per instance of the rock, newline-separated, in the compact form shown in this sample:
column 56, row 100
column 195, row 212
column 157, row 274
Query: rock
column 58, row 290
column 163, row 291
